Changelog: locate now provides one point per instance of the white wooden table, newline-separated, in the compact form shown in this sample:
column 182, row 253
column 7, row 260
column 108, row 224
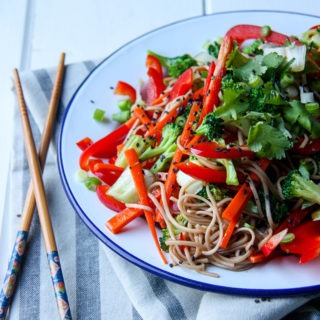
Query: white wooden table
column 33, row 33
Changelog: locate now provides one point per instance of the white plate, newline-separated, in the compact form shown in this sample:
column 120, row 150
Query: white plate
column 282, row 276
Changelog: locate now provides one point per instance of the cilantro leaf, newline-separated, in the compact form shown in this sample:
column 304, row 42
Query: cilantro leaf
column 268, row 141
column 253, row 67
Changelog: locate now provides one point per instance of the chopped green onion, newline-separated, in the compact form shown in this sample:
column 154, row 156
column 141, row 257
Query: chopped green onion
column 315, row 215
column 289, row 237
column 180, row 121
column 82, row 175
column 248, row 225
column 255, row 81
column 286, row 80
column 91, row 183
column 121, row 116
column 124, row 104
column 313, row 108
column 265, row 31
column 98, row 115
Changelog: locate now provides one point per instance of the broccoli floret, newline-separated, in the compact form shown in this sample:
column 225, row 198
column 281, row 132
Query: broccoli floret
column 214, row 48
column 295, row 185
column 164, row 160
column 175, row 65
column 211, row 126
column 217, row 192
column 232, row 177
column 170, row 133
column 136, row 142
column 166, row 235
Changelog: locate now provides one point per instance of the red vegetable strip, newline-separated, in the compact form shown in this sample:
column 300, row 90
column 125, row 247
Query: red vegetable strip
column 138, row 178
column 257, row 257
column 84, row 143
column 273, row 242
column 216, row 151
column 153, row 62
column 182, row 85
column 209, row 76
column 243, row 32
column 212, row 94
column 122, row 218
column 126, row 89
column 203, row 173
column 141, row 114
column 109, row 201
column 306, row 242
column 106, row 147
column 294, row 218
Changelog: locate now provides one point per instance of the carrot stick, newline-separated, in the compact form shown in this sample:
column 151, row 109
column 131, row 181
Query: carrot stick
column 143, row 117
column 212, row 95
column 160, row 98
column 138, row 178
column 122, row 218
column 233, row 211
column 191, row 120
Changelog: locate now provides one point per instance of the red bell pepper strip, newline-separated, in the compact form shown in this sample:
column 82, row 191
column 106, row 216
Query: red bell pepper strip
column 203, row 173
column 182, row 85
column 84, row 143
column 155, row 85
column 109, row 201
column 216, row 151
column 312, row 147
column 273, row 242
column 306, row 242
column 243, row 32
column 153, row 62
column 125, row 89
column 294, row 218
column 209, row 76
column 107, row 172
column 106, row 147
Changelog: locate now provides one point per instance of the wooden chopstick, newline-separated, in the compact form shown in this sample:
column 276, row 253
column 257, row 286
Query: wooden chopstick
column 34, row 194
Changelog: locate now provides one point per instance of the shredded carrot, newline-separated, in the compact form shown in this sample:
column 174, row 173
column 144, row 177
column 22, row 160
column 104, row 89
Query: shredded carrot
column 228, row 233
column 138, row 178
column 257, row 257
column 122, row 218
column 160, row 98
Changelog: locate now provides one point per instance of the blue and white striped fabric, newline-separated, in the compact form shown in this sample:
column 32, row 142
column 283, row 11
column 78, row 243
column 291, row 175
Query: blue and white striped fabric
column 100, row 284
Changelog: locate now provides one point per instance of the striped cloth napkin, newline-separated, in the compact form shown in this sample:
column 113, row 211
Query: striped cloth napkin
column 101, row 284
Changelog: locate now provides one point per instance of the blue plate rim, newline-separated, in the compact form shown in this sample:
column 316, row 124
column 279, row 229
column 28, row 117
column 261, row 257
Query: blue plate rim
column 128, row 256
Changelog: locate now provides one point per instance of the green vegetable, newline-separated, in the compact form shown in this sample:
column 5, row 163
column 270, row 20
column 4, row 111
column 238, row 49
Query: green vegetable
column 124, row 188
column 91, row 183
column 138, row 143
column 98, row 115
column 268, row 141
column 253, row 49
column 175, row 65
column 164, row 160
column 295, row 185
column 124, row 114
column 166, row 235
column 311, row 38
column 213, row 48
column 232, row 177
column 211, row 126
column 265, row 31
column 289, row 237
column 170, row 133
column 218, row 193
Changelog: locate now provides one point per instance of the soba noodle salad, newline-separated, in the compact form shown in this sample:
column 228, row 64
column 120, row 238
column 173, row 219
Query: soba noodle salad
column 219, row 151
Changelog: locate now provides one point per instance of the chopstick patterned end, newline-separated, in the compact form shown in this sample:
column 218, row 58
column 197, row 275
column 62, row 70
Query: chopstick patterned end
column 12, row 272
column 58, row 285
